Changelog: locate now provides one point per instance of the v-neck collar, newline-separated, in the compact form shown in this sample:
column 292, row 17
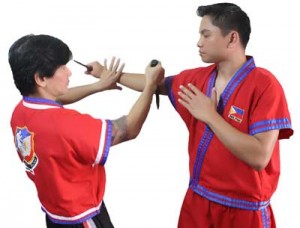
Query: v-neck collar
column 237, row 78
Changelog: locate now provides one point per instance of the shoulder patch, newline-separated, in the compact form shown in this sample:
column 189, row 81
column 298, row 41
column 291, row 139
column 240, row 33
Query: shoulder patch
column 24, row 141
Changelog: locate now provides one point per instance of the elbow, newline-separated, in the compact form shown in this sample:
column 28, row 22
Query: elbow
column 260, row 165
column 133, row 134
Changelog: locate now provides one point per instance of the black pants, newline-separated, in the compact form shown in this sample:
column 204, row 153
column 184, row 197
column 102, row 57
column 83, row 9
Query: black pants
column 101, row 220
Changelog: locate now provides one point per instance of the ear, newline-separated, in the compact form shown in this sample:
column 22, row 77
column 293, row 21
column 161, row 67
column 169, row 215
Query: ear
column 40, row 81
column 233, row 39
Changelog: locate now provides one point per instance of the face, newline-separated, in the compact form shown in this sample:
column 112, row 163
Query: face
column 58, row 84
column 212, row 44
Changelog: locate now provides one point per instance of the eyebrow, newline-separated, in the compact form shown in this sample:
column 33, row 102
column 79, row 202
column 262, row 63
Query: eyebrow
column 204, row 31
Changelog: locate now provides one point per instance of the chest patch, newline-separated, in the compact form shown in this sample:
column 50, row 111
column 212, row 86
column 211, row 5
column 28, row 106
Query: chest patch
column 236, row 114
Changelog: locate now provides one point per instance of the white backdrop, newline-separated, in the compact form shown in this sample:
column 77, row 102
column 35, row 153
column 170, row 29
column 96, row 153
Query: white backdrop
column 147, row 177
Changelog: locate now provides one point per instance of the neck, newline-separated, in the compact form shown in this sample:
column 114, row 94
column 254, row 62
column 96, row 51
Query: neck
column 227, row 68
column 42, row 94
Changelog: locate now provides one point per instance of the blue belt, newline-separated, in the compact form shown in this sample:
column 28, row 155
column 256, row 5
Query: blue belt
column 227, row 201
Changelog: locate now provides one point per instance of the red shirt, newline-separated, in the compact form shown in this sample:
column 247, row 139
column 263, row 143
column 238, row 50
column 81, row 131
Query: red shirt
column 253, row 102
column 64, row 153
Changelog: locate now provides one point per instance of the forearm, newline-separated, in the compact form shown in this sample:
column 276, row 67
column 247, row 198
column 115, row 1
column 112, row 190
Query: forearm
column 137, row 82
column 250, row 149
column 139, row 112
column 128, row 127
column 79, row 92
column 133, row 81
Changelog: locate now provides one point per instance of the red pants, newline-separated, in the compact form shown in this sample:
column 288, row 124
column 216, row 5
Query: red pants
column 198, row 212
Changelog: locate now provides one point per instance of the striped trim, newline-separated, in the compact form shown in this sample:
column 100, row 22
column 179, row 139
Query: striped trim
column 202, row 148
column 39, row 100
column 40, row 103
column 107, row 142
column 211, row 83
column 227, row 201
column 239, row 76
column 208, row 134
column 103, row 138
column 75, row 219
column 89, row 224
column 267, row 125
column 265, row 218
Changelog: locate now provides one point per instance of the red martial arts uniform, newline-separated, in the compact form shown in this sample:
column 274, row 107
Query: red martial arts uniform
column 224, row 191
column 64, row 153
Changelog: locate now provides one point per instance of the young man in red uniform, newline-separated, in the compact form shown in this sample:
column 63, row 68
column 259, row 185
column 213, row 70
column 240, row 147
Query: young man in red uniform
column 64, row 151
column 236, row 113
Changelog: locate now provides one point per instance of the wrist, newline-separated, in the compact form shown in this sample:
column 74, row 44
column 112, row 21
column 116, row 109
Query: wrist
column 212, row 118
column 151, row 87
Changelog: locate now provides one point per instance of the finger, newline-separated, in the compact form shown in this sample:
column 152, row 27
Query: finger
column 112, row 62
column 193, row 88
column 120, row 70
column 115, row 67
column 214, row 96
column 186, row 91
column 105, row 64
column 184, row 97
column 186, row 105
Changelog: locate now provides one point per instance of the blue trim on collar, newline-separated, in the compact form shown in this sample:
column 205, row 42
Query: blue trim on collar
column 238, row 77
column 39, row 100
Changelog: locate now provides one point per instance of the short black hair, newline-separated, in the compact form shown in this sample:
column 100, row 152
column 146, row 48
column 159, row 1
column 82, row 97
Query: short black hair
column 31, row 54
column 228, row 17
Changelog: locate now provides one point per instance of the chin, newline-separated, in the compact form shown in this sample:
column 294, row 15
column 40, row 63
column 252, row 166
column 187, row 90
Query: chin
column 206, row 60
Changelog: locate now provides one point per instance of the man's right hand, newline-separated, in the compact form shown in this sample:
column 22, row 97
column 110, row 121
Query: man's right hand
column 154, row 75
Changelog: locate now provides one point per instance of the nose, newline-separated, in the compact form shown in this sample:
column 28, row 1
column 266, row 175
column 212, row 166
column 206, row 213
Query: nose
column 200, row 42
column 69, row 72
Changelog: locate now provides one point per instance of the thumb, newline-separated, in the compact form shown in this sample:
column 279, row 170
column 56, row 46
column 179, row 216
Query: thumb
column 214, row 97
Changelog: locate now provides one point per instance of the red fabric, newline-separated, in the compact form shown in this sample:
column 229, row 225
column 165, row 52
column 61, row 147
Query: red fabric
column 261, row 98
column 253, row 103
column 67, row 145
column 198, row 212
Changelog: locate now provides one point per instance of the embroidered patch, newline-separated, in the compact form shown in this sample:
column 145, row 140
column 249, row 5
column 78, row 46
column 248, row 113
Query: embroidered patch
column 25, row 147
column 236, row 114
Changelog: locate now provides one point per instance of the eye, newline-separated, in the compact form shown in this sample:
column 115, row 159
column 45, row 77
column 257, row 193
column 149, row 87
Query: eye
column 206, row 34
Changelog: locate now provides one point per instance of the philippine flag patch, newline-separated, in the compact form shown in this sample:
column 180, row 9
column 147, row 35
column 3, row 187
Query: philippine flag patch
column 236, row 114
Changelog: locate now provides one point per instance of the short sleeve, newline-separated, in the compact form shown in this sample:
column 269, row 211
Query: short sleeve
column 89, row 139
column 270, row 110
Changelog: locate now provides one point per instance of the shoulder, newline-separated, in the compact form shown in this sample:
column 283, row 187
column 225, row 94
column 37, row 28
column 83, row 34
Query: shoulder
column 263, row 74
column 265, row 82
column 195, row 74
column 198, row 70
column 71, row 115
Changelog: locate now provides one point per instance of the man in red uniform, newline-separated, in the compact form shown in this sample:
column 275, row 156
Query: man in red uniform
column 64, row 151
column 236, row 113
